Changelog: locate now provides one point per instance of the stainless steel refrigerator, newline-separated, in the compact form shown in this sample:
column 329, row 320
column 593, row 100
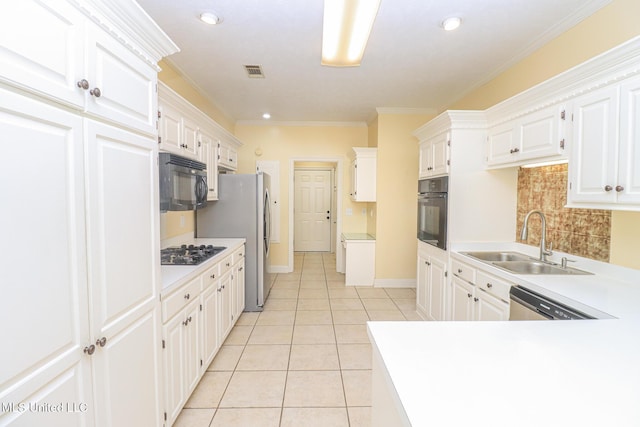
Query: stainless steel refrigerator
column 243, row 211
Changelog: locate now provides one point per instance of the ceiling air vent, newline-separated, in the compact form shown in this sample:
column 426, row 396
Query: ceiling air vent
column 254, row 71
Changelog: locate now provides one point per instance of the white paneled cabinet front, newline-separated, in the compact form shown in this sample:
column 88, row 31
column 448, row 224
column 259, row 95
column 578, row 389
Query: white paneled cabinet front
column 430, row 288
column 363, row 174
column 208, row 154
column 434, row 156
column 605, row 169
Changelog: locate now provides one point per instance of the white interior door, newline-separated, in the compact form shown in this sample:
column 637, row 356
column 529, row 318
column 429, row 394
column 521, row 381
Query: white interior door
column 312, row 212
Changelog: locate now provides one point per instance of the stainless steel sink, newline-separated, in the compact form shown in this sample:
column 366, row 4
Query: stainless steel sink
column 498, row 256
column 518, row 263
column 536, row 267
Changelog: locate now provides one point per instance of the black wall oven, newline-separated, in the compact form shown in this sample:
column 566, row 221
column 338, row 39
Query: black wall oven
column 432, row 211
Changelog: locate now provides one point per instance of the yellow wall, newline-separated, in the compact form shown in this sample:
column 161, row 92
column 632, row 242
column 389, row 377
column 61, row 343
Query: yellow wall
column 397, row 186
column 172, row 78
column 284, row 143
column 609, row 27
column 173, row 224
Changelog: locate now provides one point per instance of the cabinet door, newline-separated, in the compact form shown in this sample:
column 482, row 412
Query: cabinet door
column 426, row 160
column 436, row 290
column 440, row 155
column 127, row 85
column 193, row 353
column 422, row 283
column 123, row 257
column 174, row 367
column 461, row 300
column 225, row 308
column 170, row 128
column 51, row 63
column 592, row 170
column 127, row 375
column 629, row 157
column 209, row 156
column 209, row 317
column 44, row 303
column 190, row 137
column 541, row 133
column 488, row 307
column 239, row 284
column 501, row 144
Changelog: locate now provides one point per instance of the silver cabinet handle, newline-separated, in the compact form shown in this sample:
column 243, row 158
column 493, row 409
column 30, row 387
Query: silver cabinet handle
column 101, row 342
column 90, row 349
column 95, row 92
column 619, row 188
column 83, row 84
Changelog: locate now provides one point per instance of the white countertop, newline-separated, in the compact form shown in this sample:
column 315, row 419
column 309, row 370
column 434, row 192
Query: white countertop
column 174, row 275
column 536, row 373
column 524, row 373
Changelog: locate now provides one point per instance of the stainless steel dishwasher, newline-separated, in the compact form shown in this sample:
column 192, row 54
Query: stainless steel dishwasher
column 529, row 305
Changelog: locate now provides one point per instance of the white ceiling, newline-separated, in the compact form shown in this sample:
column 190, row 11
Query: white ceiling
column 409, row 62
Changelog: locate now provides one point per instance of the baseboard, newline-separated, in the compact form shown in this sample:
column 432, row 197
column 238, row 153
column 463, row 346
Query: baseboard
column 280, row 269
column 394, row 283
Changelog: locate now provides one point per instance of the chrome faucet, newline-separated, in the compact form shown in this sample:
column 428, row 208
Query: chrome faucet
column 543, row 240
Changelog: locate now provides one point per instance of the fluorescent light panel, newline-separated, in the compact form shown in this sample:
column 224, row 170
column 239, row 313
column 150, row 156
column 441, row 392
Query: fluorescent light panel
column 346, row 28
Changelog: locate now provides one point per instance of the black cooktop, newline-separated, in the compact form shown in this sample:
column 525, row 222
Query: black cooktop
column 188, row 255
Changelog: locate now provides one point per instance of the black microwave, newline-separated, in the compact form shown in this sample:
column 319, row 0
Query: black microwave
column 183, row 183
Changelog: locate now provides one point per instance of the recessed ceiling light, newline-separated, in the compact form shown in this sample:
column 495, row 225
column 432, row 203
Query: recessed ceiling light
column 266, row 116
column 210, row 18
column 451, row 24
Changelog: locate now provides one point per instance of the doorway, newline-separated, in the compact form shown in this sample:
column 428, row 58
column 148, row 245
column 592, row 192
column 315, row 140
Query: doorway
column 313, row 189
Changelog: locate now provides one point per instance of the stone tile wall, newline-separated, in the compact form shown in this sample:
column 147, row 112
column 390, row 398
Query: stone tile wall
column 582, row 232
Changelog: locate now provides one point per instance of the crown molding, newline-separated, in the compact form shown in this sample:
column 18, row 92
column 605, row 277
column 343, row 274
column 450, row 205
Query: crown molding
column 452, row 120
column 300, row 123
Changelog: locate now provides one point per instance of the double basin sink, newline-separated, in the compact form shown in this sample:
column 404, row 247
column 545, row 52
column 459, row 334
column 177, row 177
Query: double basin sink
column 515, row 262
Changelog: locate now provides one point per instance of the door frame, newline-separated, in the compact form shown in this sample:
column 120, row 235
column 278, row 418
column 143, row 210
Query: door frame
column 338, row 208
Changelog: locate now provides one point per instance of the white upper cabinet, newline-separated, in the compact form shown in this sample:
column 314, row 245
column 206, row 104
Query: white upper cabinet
column 75, row 62
column 208, row 154
column 45, row 53
column 537, row 136
column 434, row 156
column 363, row 174
column 604, row 172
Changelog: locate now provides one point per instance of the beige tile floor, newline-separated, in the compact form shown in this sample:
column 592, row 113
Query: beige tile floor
column 304, row 361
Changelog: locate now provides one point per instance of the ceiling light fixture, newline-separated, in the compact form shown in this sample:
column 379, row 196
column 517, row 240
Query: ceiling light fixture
column 210, row 18
column 345, row 30
column 452, row 23
column 266, row 116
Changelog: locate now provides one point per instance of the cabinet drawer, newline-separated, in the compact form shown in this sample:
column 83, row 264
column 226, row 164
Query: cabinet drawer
column 210, row 276
column 464, row 271
column 177, row 300
column 225, row 264
column 493, row 285
column 238, row 255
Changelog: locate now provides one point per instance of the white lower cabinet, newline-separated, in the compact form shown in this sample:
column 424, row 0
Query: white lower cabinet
column 197, row 317
column 430, row 288
column 477, row 294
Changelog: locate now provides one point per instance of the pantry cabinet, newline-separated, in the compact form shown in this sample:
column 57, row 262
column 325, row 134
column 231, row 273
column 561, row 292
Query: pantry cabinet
column 605, row 169
column 86, row 329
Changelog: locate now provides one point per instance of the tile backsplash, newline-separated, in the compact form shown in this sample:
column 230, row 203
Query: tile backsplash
column 582, row 232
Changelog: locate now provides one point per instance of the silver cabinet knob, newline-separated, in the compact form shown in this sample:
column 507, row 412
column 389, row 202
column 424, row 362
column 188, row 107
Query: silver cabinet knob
column 90, row 349
column 475, row 299
column 95, row 92
column 83, row 84
column 101, row 342
column 187, row 296
column 213, row 276
column 469, row 295
column 459, row 270
column 489, row 285
column 619, row 188
column 608, row 188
